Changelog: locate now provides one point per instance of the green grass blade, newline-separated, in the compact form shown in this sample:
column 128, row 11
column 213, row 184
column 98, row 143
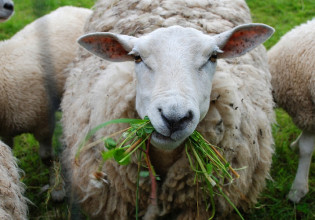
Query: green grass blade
column 97, row 128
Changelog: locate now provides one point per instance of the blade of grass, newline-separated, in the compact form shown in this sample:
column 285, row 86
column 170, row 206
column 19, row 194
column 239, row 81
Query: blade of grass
column 88, row 146
column 133, row 146
column 213, row 183
column 230, row 202
column 94, row 130
column 133, row 133
column 138, row 188
column 221, row 157
column 152, row 176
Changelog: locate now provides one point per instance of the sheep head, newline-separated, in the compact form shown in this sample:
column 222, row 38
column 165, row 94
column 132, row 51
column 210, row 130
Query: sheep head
column 174, row 70
column 6, row 9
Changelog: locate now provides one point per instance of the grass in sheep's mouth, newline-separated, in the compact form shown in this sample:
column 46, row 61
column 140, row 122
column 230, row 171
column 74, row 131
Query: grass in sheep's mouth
column 211, row 169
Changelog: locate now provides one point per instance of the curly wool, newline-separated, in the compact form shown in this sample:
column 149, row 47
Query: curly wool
column 293, row 79
column 238, row 120
column 12, row 202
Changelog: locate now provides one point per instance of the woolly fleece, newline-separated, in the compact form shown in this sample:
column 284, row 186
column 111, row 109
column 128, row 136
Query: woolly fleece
column 292, row 67
column 238, row 120
column 31, row 77
column 12, row 203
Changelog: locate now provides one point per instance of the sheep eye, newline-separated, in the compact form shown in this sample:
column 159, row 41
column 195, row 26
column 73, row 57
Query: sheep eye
column 138, row 59
column 213, row 57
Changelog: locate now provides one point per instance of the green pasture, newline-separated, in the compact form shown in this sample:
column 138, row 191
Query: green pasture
column 272, row 204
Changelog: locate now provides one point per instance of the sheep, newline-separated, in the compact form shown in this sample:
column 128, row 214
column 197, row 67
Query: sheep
column 238, row 120
column 12, row 202
column 6, row 9
column 292, row 66
column 31, row 77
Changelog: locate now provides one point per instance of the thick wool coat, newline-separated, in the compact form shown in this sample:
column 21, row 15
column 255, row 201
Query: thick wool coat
column 239, row 119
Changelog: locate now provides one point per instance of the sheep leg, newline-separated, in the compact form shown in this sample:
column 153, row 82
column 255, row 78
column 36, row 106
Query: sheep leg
column 295, row 144
column 56, row 181
column 300, row 185
column 45, row 150
column 44, row 135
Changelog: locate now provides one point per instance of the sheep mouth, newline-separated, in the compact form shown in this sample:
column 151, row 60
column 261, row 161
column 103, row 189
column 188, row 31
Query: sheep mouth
column 157, row 135
column 4, row 15
column 164, row 142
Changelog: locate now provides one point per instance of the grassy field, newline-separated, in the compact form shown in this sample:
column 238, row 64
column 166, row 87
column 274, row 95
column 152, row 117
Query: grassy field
column 273, row 204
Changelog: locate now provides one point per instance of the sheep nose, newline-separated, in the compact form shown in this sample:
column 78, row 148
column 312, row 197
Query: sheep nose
column 8, row 6
column 175, row 122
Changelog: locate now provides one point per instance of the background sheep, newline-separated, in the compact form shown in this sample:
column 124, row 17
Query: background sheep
column 31, row 78
column 292, row 66
column 30, row 93
column 238, row 120
column 12, row 202
column 6, row 9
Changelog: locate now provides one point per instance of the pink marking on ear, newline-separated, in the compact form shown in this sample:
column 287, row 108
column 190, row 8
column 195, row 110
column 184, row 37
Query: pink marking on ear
column 243, row 39
column 107, row 46
column 112, row 48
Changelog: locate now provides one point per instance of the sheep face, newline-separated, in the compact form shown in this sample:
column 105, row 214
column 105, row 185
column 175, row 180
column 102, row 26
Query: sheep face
column 6, row 9
column 174, row 69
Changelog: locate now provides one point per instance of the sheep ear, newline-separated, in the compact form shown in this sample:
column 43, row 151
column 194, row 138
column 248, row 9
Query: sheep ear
column 109, row 46
column 242, row 39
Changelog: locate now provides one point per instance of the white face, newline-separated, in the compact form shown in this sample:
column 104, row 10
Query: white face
column 174, row 69
column 174, row 77
column 6, row 9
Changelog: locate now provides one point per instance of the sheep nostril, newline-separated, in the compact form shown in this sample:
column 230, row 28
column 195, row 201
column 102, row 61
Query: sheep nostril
column 169, row 122
column 8, row 6
column 176, row 124
column 189, row 116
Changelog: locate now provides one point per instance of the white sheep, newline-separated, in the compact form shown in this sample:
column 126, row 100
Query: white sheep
column 12, row 202
column 171, row 83
column 292, row 66
column 31, row 77
column 6, row 9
